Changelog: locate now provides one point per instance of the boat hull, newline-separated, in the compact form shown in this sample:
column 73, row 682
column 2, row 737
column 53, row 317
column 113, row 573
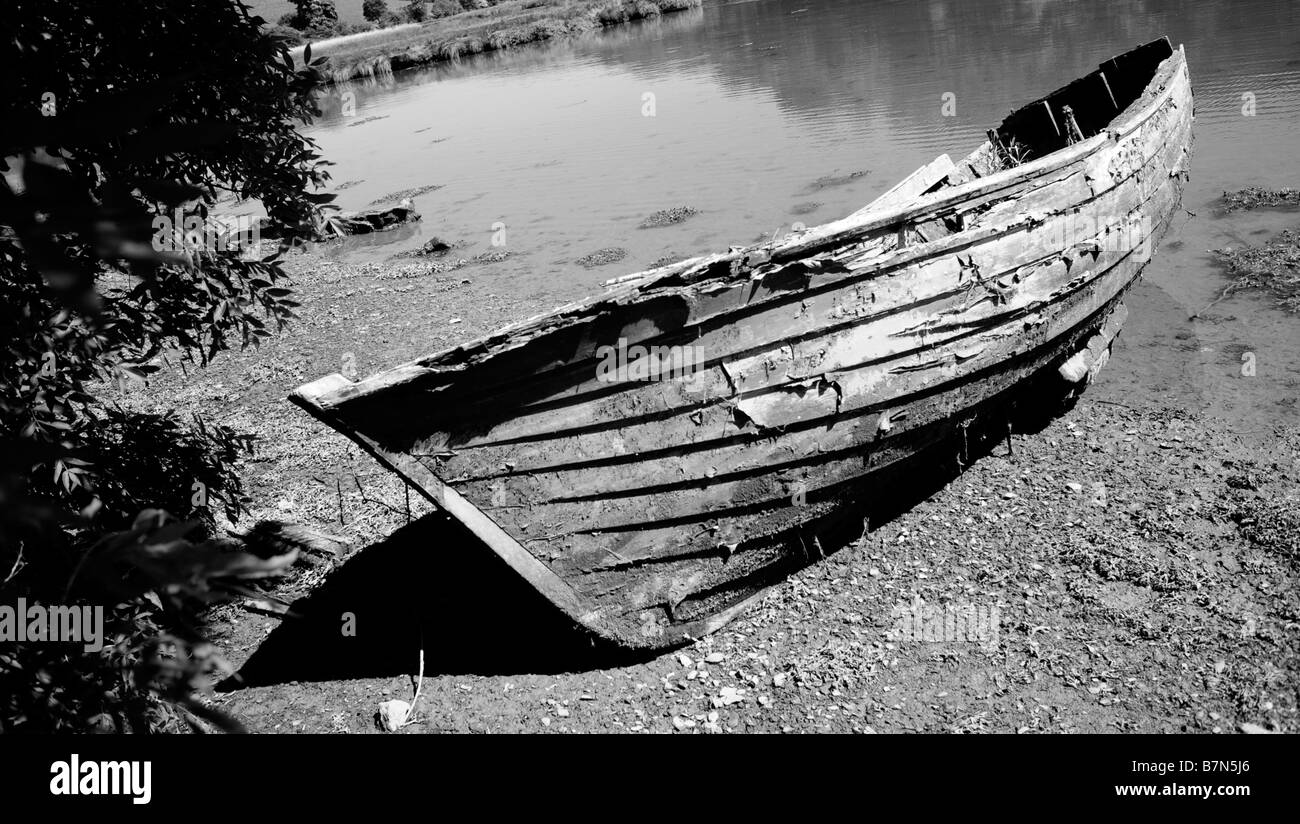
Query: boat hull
column 653, row 458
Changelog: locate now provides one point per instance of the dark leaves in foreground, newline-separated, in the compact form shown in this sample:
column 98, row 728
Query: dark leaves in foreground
column 128, row 128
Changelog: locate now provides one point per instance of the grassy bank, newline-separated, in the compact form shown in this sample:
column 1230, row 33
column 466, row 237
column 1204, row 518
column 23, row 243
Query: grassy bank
column 506, row 25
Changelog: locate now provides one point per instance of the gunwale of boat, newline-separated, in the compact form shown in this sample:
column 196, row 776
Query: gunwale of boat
column 325, row 398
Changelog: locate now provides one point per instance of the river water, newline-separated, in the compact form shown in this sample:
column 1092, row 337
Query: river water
column 761, row 113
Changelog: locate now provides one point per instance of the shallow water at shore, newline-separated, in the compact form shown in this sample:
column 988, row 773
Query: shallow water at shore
column 763, row 112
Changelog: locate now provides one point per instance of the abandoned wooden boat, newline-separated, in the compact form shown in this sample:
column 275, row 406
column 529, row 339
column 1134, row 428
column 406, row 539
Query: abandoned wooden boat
column 652, row 458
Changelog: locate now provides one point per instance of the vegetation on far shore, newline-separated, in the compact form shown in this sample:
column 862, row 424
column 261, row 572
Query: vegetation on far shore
column 450, row 30
column 319, row 19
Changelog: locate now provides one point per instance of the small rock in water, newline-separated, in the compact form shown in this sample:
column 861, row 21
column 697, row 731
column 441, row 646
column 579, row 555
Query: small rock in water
column 602, row 257
column 405, row 195
column 435, row 246
column 667, row 217
column 491, row 256
column 836, row 180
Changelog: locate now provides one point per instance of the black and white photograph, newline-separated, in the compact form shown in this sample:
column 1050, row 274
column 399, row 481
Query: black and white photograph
column 683, row 367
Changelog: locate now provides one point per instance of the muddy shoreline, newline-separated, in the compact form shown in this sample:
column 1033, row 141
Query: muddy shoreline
column 1141, row 560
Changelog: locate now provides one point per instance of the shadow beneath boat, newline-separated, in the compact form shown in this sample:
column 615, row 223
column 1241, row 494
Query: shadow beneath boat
column 430, row 584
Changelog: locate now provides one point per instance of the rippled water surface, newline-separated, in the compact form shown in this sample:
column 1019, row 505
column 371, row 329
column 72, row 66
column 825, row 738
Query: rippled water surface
column 774, row 111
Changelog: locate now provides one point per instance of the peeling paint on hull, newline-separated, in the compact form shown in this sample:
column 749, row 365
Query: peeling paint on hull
column 650, row 511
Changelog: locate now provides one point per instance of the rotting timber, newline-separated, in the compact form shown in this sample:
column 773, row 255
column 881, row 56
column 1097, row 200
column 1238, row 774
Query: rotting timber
column 653, row 511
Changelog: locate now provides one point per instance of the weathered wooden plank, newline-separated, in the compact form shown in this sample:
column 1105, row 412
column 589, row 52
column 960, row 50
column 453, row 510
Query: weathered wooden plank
column 824, row 455
column 817, row 416
column 739, row 537
column 626, row 553
column 654, row 561
column 911, row 187
column 840, row 361
column 673, row 394
column 1010, row 266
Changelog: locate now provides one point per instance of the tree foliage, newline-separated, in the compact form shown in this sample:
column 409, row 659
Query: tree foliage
column 316, row 17
column 119, row 116
column 417, row 11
